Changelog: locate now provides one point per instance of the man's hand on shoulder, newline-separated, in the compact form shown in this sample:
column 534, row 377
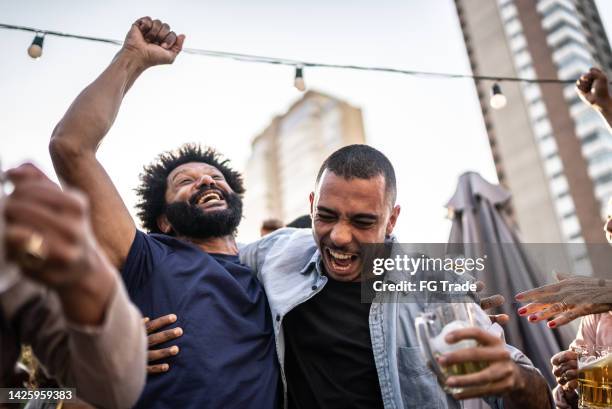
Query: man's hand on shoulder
column 152, row 42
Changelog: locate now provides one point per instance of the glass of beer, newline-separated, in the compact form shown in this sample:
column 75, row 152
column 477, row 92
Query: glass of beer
column 434, row 324
column 594, row 371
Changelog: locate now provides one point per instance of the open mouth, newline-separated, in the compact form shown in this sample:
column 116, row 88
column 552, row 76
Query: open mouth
column 341, row 261
column 209, row 197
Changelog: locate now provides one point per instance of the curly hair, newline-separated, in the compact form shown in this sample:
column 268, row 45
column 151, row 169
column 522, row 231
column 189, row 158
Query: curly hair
column 153, row 181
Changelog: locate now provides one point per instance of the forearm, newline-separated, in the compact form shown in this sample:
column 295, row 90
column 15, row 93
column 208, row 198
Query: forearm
column 108, row 361
column 93, row 112
column 532, row 393
column 607, row 116
column 86, row 301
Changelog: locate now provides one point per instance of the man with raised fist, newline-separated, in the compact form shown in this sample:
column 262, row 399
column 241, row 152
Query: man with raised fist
column 191, row 204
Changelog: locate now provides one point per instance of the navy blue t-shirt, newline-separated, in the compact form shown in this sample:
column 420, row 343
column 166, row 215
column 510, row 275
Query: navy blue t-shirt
column 227, row 355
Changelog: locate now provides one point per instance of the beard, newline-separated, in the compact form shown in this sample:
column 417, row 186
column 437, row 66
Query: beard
column 188, row 220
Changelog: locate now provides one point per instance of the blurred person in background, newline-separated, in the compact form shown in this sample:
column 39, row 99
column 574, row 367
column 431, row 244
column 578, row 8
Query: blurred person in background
column 270, row 225
column 301, row 222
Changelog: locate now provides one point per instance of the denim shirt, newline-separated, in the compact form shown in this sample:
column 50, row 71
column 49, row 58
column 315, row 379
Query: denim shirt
column 288, row 264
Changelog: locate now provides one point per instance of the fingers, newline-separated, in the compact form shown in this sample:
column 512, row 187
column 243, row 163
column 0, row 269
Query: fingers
column 46, row 194
column 480, row 335
column 154, row 369
column 585, row 82
column 492, row 373
column 565, row 368
column 495, row 380
column 164, row 336
column 480, row 285
column 163, row 31
column 548, row 312
column 43, row 220
column 592, row 86
column 565, row 376
column 169, row 40
column 144, row 24
column 178, row 46
column 532, row 309
column 157, row 354
column 562, row 357
column 26, row 172
column 159, row 33
column 501, row 319
column 159, row 338
column 476, row 354
column 152, row 326
column 571, row 385
column 577, row 311
column 151, row 35
column 492, row 302
column 536, row 294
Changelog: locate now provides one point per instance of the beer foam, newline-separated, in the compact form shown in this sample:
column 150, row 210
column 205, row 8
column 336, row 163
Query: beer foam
column 597, row 363
column 439, row 344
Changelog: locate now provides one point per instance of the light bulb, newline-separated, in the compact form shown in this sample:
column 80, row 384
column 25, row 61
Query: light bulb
column 498, row 100
column 299, row 79
column 35, row 50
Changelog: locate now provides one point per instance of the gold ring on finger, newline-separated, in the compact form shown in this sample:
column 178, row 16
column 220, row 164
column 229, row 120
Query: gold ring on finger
column 34, row 251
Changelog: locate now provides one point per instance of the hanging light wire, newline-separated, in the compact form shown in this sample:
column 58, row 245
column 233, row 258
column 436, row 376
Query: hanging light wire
column 294, row 63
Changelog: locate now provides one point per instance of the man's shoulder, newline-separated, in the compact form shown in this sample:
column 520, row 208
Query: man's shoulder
column 286, row 245
column 161, row 242
column 285, row 237
column 150, row 250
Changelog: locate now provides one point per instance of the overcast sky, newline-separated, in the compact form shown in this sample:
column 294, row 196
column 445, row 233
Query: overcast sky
column 431, row 129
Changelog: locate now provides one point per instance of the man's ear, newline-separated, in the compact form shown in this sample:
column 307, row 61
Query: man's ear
column 163, row 224
column 392, row 220
column 311, row 198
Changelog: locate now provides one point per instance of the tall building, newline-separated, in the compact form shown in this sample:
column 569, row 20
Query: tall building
column 286, row 156
column 550, row 150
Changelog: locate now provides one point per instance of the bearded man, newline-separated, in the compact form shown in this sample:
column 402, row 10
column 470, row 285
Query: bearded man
column 191, row 202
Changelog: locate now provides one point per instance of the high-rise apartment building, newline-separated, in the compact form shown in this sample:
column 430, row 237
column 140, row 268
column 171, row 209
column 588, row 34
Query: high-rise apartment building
column 550, row 149
column 286, row 157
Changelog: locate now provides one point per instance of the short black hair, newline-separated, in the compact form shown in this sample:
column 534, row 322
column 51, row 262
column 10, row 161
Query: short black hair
column 153, row 180
column 363, row 162
column 272, row 224
column 302, row 222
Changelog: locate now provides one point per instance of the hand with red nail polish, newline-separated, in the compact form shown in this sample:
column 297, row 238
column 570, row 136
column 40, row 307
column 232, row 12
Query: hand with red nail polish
column 572, row 297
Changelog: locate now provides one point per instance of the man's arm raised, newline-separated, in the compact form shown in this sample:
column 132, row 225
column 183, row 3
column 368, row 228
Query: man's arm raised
column 77, row 136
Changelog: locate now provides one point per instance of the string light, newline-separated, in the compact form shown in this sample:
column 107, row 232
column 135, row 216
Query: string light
column 299, row 79
column 36, row 48
column 303, row 64
column 498, row 99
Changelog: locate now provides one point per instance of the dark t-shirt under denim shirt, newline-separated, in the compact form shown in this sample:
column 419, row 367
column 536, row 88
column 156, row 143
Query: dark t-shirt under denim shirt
column 227, row 355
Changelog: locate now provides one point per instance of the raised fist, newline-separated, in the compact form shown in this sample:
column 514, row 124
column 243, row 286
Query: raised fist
column 152, row 42
column 592, row 87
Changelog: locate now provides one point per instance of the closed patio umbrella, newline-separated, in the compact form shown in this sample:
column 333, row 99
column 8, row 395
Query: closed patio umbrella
column 481, row 225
